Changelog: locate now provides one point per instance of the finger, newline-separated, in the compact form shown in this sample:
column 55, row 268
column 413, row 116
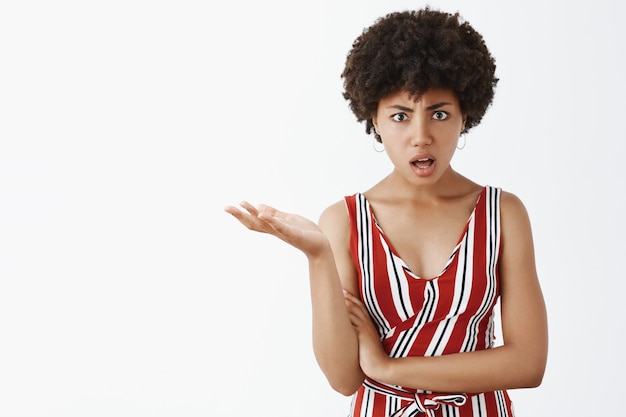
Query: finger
column 357, row 315
column 266, row 211
column 282, row 230
column 266, row 214
column 280, row 221
column 274, row 219
column 231, row 210
column 356, row 322
column 235, row 212
column 250, row 208
column 353, row 299
column 248, row 220
column 348, row 295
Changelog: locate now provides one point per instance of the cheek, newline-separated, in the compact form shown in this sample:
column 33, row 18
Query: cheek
column 392, row 154
column 454, row 131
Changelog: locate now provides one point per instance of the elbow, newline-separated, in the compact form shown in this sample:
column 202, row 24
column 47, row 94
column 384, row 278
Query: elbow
column 345, row 386
column 535, row 378
column 524, row 378
column 532, row 376
column 530, row 367
column 345, row 380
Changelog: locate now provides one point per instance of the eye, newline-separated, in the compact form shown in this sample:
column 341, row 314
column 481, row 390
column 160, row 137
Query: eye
column 440, row 115
column 399, row 117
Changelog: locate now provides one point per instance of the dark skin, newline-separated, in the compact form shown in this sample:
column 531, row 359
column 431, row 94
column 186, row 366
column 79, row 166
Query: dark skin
column 420, row 142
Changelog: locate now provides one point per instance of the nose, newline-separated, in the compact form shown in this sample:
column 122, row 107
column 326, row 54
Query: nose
column 420, row 133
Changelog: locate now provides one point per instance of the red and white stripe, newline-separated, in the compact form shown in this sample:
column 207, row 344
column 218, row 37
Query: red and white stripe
column 450, row 313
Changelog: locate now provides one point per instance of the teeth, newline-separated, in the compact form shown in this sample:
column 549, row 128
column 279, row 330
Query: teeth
column 423, row 163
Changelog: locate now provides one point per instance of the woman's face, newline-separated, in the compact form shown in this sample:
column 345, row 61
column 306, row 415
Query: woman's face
column 420, row 137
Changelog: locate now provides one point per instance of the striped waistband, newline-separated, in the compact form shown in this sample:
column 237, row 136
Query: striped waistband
column 420, row 402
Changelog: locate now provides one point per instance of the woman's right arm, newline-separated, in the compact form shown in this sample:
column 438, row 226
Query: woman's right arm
column 335, row 341
column 331, row 271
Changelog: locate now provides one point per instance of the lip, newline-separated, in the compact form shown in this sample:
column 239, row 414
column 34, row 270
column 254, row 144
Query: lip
column 422, row 156
column 423, row 171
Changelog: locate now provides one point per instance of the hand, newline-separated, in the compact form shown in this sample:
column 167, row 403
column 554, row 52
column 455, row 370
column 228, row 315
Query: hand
column 298, row 231
column 372, row 357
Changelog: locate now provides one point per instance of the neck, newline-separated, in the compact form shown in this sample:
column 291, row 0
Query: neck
column 450, row 184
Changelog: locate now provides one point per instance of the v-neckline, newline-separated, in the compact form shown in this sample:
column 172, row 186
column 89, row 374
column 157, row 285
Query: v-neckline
column 450, row 258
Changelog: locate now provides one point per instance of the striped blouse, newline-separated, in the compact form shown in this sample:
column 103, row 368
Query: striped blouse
column 450, row 313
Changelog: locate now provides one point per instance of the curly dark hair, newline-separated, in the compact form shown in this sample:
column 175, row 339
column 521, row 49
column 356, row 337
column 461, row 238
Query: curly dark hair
column 416, row 50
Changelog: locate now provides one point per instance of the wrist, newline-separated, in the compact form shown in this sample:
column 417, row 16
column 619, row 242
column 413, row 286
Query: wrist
column 383, row 370
column 322, row 255
column 375, row 362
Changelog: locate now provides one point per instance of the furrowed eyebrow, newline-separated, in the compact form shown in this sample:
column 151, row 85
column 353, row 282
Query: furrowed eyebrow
column 401, row 108
column 438, row 105
column 410, row 110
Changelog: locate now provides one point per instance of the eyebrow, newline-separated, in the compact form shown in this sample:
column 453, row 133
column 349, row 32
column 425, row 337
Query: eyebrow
column 401, row 108
column 438, row 105
column 410, row 110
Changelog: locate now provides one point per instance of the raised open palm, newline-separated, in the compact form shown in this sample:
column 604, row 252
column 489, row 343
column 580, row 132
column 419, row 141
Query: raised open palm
column 301, row 233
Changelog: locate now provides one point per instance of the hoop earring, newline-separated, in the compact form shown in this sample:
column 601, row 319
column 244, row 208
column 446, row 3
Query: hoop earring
column 464, row 141
column 374, row 142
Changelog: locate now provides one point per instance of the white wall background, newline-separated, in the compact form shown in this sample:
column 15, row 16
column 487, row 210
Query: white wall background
column 126, row 126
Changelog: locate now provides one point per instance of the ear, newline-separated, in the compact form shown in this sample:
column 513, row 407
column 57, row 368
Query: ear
column 375, row 123
column 463, row 123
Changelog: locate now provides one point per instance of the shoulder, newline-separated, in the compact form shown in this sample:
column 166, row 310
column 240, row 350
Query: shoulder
column 516, row 229
column 512, row 208
column 335, row 217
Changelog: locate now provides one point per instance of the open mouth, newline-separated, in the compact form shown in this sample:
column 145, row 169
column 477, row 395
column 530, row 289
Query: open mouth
column 423, row 163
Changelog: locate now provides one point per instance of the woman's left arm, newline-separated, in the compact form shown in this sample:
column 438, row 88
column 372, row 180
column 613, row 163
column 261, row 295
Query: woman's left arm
column 521, row 360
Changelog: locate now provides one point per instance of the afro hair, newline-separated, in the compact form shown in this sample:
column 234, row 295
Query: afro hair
column 414, row 51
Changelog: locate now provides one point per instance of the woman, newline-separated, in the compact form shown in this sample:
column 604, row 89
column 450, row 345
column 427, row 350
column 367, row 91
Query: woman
column 405, row 276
